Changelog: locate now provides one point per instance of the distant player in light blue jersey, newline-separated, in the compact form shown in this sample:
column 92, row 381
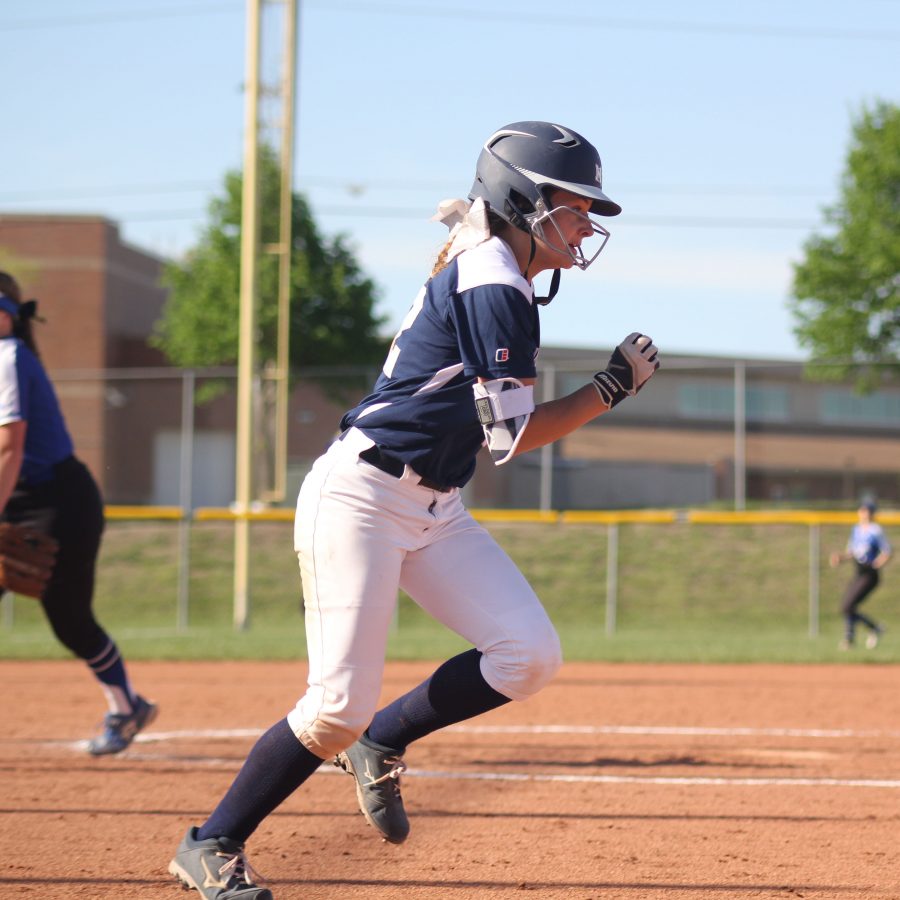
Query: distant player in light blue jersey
column 869, row 549
column 381, row 509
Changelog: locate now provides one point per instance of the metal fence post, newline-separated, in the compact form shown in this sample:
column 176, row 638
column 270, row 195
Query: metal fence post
column 814, row 554
column 185, row 499
column 546, row 485
column 740, row 436
column 612, row 575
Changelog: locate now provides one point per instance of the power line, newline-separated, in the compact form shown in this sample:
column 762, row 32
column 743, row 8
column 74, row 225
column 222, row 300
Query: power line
column 362, row 187
column 385, row 212
column 121, row 190
column 112, row 18
column 582, row 22
column 417, row 214
column 755, row 190
column 470, row 14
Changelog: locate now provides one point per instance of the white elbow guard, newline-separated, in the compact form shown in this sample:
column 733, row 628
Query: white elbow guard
column 504, row 407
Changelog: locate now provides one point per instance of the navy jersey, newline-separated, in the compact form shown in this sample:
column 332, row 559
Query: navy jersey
column 26, row 394
column 475, row 318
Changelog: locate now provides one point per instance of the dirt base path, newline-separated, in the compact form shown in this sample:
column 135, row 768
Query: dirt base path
column 618, row 781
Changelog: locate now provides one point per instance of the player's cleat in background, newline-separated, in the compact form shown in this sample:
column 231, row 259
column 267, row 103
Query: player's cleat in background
column 119, row 729
column 216, row 868
column 377, row 771
column 844, row 644
column 874, row 637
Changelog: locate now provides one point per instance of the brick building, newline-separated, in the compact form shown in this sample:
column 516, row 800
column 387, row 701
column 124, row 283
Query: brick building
column 99, row 298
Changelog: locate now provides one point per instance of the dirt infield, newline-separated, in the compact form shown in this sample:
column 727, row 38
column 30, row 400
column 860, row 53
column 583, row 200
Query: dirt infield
column 618, row 781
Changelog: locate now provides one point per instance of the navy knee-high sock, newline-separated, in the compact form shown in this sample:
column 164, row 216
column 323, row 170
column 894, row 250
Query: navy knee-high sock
column 277, row 765
column 455, row 692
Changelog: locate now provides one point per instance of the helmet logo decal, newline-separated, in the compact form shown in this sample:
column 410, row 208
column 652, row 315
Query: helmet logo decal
column 568, row 139
column 598, row 176
column 502, row 133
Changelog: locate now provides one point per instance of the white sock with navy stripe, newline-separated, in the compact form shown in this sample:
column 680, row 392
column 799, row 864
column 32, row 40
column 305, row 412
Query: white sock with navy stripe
column 109, row 669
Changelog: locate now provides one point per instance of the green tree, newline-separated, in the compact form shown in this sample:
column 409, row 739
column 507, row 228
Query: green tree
column 332, row 322
column 846, row 292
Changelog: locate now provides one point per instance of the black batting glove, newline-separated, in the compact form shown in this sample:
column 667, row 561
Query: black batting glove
column 631, row 366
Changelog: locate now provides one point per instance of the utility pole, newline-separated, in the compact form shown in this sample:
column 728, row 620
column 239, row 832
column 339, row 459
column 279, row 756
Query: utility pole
column 247, row 488
column 280, row 132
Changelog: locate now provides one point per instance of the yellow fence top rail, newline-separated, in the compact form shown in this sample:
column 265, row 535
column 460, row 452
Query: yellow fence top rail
column 144, row 512
column 573, row 516
column 515, row 515
column 616, row 516
column 277, row 514
column 781, row 517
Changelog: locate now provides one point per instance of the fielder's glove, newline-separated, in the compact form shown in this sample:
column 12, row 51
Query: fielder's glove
column 630, row 367
column 27, row 558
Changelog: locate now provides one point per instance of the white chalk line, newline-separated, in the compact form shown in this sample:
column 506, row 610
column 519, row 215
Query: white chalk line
column 674, row 730
column 155, row 737
column 661, row 779
column 686, row 731
column 537, row 778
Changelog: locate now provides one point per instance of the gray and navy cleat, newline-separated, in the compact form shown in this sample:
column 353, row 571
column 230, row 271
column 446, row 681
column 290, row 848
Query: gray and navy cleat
column 377, row 771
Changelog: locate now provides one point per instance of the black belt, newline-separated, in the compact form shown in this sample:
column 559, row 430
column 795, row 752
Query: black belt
column 393, row 466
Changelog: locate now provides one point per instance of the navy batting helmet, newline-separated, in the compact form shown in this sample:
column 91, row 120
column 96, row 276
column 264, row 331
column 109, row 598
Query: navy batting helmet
column 521, row 160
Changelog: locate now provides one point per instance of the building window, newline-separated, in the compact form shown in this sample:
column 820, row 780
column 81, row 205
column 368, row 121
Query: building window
column 844, row 406
column 716, row 401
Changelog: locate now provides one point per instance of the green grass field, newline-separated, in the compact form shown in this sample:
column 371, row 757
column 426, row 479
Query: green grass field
column 723, row 593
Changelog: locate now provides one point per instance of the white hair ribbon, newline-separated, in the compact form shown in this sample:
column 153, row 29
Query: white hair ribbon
column 468, row 224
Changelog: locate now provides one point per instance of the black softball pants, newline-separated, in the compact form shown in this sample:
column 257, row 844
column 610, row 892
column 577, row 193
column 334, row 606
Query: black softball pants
column 864, row 582
column 68, row 507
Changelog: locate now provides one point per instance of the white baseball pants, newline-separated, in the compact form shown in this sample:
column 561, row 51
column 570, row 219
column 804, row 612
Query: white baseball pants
column 360, row 534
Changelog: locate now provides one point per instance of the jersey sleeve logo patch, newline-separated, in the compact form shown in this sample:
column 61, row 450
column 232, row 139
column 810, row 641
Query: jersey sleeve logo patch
column 502, row 355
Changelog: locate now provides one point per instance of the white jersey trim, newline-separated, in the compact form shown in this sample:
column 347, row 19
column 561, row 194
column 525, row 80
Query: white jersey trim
column 10, row 398
column 440, row 378
column 372, row 408
column 491, row 263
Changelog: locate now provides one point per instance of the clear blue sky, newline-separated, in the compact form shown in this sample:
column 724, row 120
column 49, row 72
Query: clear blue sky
column 723, row 130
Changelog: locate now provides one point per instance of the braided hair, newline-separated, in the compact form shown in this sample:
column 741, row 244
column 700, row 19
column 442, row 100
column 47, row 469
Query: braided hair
column 497, row 226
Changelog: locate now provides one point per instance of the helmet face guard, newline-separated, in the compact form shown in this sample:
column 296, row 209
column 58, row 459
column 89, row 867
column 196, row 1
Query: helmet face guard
column 580, row 257
column 522, row 163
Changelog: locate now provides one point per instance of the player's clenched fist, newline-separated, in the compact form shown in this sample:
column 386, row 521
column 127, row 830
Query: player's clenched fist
column 630, row 367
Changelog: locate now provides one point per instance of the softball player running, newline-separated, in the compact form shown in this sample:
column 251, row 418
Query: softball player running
column 44, row 486
column 381, row 509
column 870, row 550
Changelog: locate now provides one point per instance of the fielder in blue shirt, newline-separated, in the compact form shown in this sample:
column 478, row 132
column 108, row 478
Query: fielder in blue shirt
column 44, row 486
column 869, row 549
column 381, row 509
